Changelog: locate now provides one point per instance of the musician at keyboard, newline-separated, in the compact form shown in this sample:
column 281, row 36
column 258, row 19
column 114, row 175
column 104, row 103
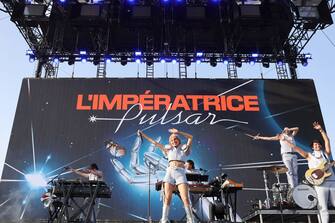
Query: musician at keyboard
column 92, row 173
column 190, row 167
column 176, row 153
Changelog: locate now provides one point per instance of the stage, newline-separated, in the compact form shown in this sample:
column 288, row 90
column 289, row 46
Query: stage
column 292, row 215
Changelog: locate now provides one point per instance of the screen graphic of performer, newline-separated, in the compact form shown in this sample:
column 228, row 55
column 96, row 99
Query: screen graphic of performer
column 176, row 153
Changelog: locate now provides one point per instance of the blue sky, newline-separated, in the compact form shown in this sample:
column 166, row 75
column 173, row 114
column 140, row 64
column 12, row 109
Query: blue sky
column 15, row 66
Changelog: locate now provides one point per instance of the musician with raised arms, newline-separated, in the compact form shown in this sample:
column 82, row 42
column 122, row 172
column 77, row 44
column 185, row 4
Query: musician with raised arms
column 288, row 155
column 319, row 156
column 176, row 152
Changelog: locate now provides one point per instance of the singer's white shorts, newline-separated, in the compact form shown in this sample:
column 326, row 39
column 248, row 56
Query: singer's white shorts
column 175, row 175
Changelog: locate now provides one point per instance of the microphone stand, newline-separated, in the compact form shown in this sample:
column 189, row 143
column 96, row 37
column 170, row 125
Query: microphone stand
column 281, row 198
column 149, row 195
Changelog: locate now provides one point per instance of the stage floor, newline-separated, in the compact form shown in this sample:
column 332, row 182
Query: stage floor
column 289, row 215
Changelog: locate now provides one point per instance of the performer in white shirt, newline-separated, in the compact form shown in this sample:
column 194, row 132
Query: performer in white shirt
column 326, row 191
column 289, row 156
column 92, row 173
column 176, row 153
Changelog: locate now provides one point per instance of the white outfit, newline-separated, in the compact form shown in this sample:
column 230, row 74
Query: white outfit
column 326, row 190
column 289, row 158
column 93, row 177
column 179, row 153
column 176, row 175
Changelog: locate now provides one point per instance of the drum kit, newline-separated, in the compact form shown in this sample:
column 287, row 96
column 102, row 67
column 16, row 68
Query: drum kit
column 303, row 195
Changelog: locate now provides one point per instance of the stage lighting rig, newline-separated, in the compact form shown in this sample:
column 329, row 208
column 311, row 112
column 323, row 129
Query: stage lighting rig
column 170, row 29
column 27, row 14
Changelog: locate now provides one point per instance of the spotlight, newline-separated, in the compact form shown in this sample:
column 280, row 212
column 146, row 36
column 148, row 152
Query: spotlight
column 187, row 61
column 213, row 62
column 55, row 60
column 308, row 56
column 252, row 61
column 34, row 10
column 254, row 55
column 174, row 61
column 138, row 60
column 72, row 60
column 304, row 62
column 36, row 180
column 32, row 58
column 82, row 52
column 280, row 62
column 84, row 59
column 225, row 60
column 266, row 62
column 199, row 54
column 108, row 59
column 138, row 53
column 96, row 59
column 198, row 61
column 238, row 62
column 124, row 60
